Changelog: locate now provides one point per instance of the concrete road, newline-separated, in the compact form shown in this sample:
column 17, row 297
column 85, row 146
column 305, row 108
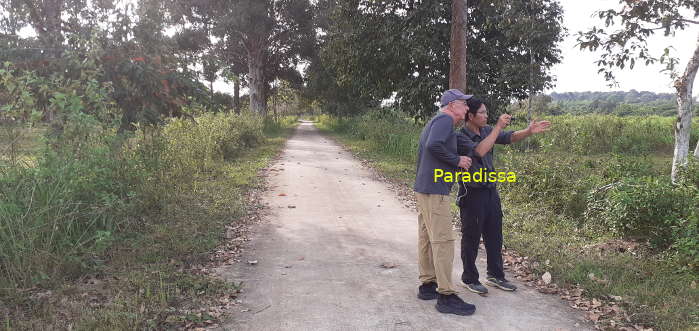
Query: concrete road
column 320, row 251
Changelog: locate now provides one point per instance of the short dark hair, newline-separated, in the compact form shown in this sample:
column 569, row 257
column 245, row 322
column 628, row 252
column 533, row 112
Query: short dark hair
column 473, row 106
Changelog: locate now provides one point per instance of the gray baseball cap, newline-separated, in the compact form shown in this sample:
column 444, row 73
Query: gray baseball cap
column 453, row 94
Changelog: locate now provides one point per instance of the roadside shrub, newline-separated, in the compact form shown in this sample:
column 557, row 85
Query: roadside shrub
column 686, row 236
column 193, row 147
column 337, row 124
column 647, row 207
column 690, row 174
column 560, row 183
column 56, row 218
column 598, row 134
column 619, row 166
column 272, row 126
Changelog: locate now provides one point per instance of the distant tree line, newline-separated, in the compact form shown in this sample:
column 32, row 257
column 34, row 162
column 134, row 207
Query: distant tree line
column 620, row 103
column 631, row 96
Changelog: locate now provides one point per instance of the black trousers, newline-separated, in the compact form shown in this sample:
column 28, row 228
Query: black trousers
column 481, row 214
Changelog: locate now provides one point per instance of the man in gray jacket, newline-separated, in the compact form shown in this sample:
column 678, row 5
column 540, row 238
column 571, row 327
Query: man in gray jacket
column 437, row 150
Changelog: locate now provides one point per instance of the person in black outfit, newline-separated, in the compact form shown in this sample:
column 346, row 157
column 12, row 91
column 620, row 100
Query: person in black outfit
column 479, row 202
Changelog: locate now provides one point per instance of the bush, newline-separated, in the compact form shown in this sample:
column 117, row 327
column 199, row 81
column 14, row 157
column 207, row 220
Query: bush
column 192, row 148
column 388, row 131
column 598, row 134
column 687, row 240
column 690, row 174
column 57, row 217
column 619, row 166
column 646, row 207
column 561, row 183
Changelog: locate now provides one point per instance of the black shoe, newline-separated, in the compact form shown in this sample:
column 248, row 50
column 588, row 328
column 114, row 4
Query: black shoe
column 500, row 283
column 427, row 291
column 452, row 304
column 476, row 288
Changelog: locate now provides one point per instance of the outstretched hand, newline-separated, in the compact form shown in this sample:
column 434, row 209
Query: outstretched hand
column 538, row 126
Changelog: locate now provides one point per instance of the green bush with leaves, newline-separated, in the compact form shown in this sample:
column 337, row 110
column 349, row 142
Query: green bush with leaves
column 194, row 146
column 686, row 235
column 598, row 134
column 560, row 183
column 57, row 216
column 388, row 130
column 646, row 207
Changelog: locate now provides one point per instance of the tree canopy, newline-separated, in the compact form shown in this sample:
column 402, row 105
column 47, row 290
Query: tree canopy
column 370, row 50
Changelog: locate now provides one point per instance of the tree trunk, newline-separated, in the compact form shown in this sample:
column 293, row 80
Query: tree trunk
column 236, row 95
column 258, row 100
column 458, row 66
column 684, row 113
column 47, row 22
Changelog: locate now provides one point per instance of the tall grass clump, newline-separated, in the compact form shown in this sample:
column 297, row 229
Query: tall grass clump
column 387, row 131
column 91, row 185
column 58, row 216
column 193, row 148
column 600, row 134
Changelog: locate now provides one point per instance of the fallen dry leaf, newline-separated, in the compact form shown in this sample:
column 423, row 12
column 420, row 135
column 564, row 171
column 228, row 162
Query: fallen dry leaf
column 596, row 303
column 594, row 278
column 546, row 277
column 547, row 290
column 281, row 194
column 388, row 265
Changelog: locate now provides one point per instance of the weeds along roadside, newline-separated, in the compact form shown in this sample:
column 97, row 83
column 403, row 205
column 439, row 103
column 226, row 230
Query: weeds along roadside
column 100, row 229
column 590, row 181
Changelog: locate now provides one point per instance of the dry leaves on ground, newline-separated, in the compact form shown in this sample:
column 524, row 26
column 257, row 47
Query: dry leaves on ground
column 606, row 313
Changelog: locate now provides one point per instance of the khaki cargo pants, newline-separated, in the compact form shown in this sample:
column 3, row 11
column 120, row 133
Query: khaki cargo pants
column 435, row 241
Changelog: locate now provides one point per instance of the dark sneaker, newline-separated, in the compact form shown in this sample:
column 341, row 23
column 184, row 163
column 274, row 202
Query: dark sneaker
column 427, row 291
column 476, row 288
column 500, row 283
column 452, row 304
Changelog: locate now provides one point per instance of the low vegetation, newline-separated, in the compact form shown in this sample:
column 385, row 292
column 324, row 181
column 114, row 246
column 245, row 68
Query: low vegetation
column 101, row 230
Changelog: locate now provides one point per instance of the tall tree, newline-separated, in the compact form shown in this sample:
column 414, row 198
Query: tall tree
column 271, row 36
column 624, row 40
column 375, row 50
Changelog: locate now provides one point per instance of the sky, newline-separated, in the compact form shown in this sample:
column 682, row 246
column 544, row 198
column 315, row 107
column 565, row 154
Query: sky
column 577, row 71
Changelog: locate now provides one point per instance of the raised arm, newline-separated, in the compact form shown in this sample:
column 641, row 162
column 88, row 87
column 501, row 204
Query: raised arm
column 487, row 144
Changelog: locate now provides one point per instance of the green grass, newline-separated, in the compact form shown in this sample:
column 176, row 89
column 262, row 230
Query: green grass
column 658, row 288
column 19, row 144
column 141, row 281
column 544, row 209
